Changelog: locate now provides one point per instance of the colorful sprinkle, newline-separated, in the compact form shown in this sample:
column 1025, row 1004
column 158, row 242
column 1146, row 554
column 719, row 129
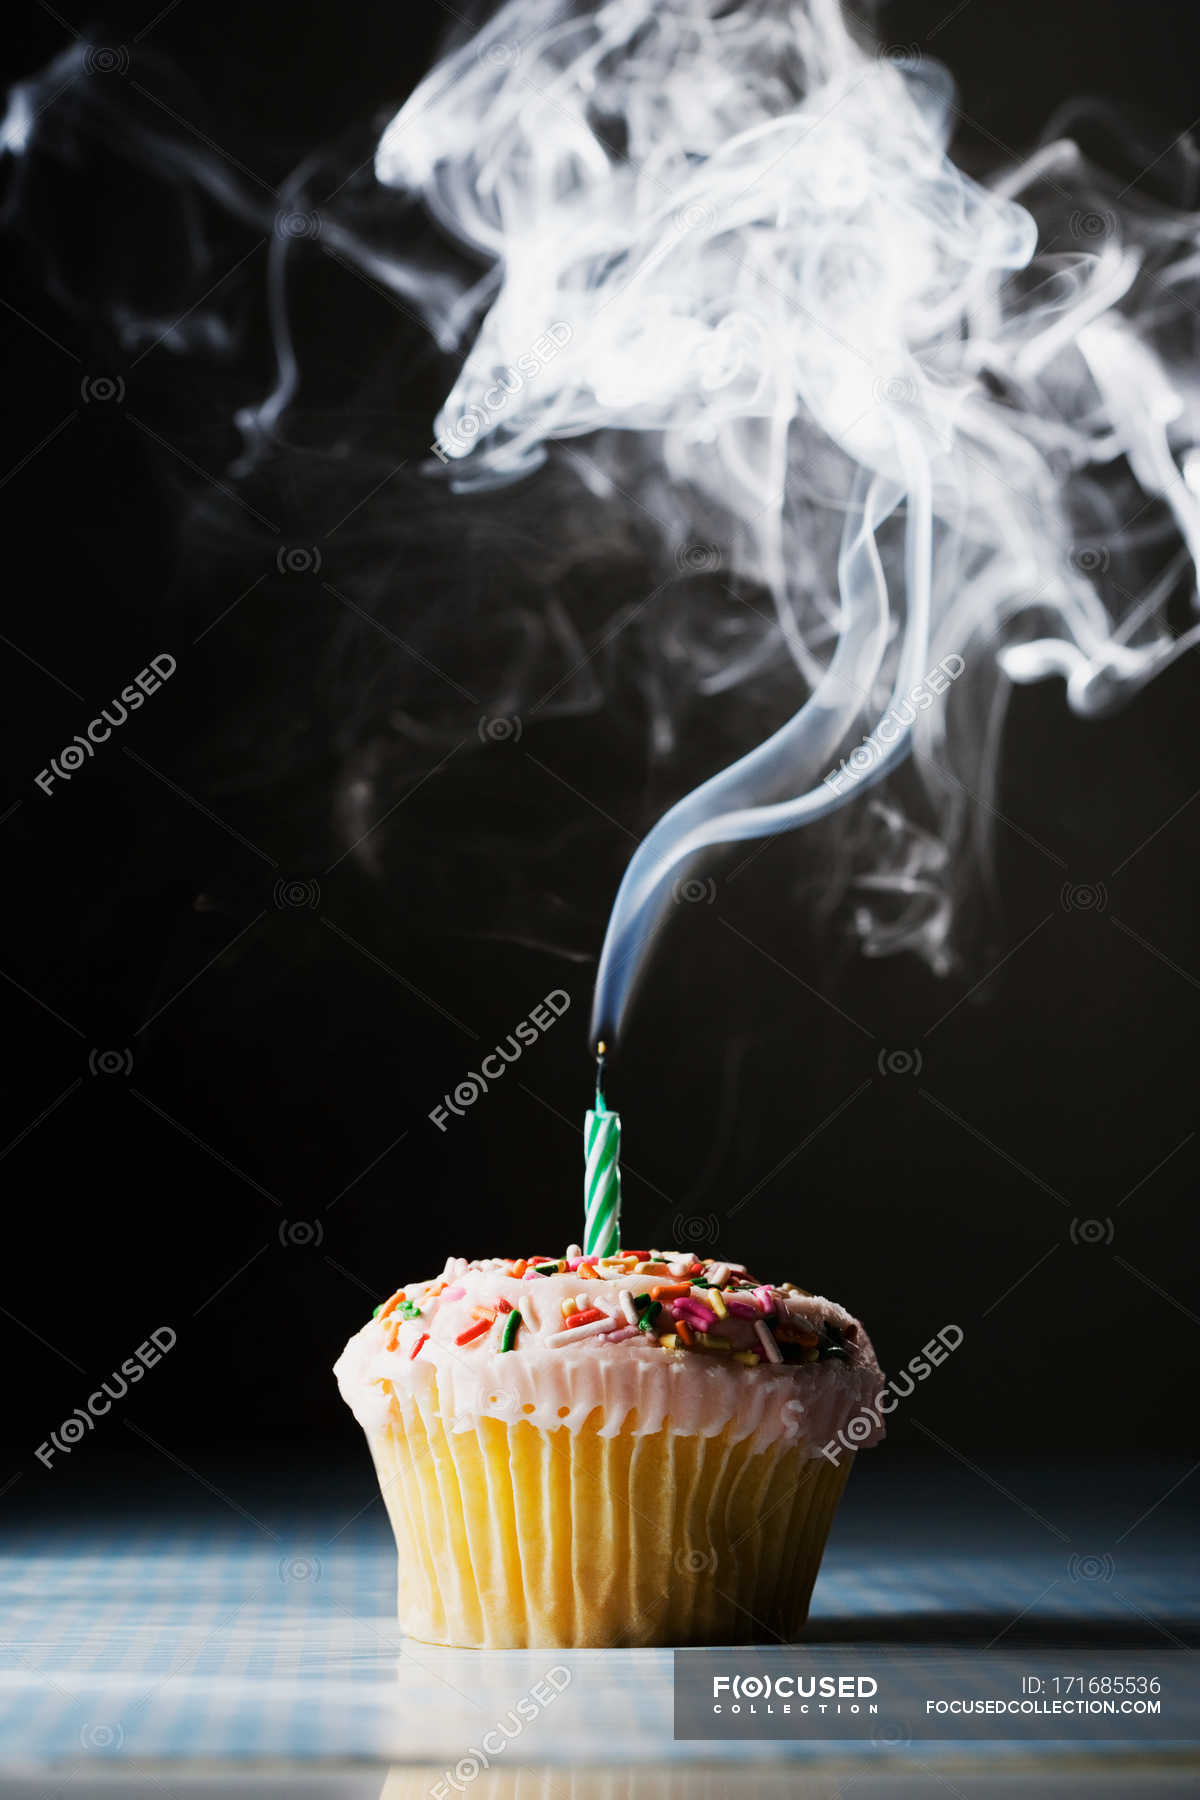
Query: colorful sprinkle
column 695, row 1312
column 587, row 1317
column 473, row 1331
column 512, row 1325
column 695, row 1303
column 593, row 1329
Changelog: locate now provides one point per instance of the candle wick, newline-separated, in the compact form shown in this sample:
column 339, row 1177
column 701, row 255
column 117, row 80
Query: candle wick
column 600, row 1105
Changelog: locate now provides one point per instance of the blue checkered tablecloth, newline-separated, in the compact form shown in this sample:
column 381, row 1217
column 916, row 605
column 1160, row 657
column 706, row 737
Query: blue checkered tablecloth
column 228, row 1636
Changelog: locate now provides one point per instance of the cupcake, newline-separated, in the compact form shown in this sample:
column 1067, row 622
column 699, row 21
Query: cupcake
column 640, row 1449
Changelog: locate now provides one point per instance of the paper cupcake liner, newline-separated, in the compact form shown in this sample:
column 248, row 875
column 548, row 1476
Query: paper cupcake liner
column 512, row 1536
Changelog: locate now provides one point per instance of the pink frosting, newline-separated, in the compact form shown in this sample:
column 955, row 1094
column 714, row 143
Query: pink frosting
column 625, row 1376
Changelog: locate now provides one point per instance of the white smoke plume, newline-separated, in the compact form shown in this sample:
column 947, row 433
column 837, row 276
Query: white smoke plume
column 931, row 420
column 714, row 258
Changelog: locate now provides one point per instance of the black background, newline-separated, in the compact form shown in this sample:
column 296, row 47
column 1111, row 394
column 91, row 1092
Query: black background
column 262, row 1168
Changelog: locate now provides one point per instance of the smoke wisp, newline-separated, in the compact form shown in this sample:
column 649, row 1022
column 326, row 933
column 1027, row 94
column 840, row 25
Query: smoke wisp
column 712, row 266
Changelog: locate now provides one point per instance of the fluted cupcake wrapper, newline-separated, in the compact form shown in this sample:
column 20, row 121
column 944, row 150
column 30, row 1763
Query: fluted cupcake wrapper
column 513, row 1536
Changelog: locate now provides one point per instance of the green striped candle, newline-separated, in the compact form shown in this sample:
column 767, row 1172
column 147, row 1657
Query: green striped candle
column 602, row 1174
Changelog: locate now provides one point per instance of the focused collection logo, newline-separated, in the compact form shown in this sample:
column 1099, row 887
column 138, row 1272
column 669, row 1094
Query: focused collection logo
column 74, row 1429
column 82, row 747
column 867, row 1420
column 474, row 1085
column 806, row 1693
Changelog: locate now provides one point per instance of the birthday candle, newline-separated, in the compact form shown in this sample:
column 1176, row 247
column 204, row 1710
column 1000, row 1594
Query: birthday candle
column 602, row 1173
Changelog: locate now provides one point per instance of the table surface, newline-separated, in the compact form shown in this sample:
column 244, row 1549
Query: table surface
column 260, row 1627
